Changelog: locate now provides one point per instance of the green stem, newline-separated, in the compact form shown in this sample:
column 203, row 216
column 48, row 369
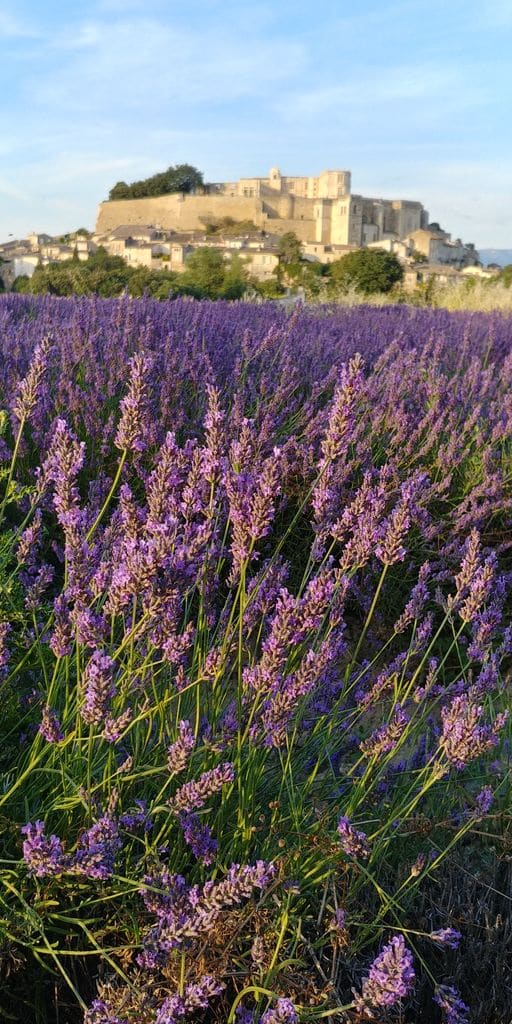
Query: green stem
column 11, row 468
column 110, row 494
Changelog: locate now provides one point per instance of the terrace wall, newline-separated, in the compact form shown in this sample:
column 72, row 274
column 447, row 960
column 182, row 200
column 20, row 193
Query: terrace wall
column 184, row 213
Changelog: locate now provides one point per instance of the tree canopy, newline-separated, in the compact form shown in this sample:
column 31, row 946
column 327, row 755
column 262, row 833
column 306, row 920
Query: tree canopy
column 289, row 248
column 506, row 275
column 210, row 276
column 181, row 178
column 368, row 270
column 207, row 276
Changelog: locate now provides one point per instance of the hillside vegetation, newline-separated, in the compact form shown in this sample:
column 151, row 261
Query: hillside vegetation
column 180, row 178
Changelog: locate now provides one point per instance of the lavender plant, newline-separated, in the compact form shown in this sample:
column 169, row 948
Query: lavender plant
column 254, row 651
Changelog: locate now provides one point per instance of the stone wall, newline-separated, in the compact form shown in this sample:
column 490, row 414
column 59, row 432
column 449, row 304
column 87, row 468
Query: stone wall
column 304, row 229
column 182, row 213
column 189, row 213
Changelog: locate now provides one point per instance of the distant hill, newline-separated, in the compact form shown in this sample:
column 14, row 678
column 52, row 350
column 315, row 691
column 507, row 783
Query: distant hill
column 501, row 256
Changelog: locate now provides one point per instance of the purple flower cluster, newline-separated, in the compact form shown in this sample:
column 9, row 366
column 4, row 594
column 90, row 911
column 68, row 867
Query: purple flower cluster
column 453, row 1009
column 100, row 1013
column 483, row 802
column 50, row 726
column 98, row 688
column 29, row 389
column 283, row 1012
column 199, row 837
column 475, row 579
column 43, row 855
column 179, row 752
column 194, row 794
column 384, row 739
column 447, row 937
column 97, row 849
column 5, row 629
column 463, row 737
column 195, row 997
column 353, row 842
column 138, row 818
column 223, row 577
column 390, row 979
column 131, row 431
column 184, row 912
column 94, row 858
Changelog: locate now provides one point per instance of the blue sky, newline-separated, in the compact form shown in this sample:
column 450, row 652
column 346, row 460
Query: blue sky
column 413, row 97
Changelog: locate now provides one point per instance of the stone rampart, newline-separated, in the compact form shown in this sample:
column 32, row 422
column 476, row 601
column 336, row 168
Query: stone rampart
column 178, row 212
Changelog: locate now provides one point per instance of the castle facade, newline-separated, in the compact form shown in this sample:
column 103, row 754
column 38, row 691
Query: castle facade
column 319, row 209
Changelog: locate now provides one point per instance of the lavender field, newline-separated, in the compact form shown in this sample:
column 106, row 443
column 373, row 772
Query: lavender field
column 255, row 646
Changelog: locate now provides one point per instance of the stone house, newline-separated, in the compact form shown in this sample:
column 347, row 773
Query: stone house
column 262, row 264
column 423, row 273
column 437, row 247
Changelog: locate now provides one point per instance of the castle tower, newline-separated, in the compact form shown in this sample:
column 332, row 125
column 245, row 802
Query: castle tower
column 274, row 179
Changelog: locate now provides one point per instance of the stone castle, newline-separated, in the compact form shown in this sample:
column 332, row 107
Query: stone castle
column 320, row 210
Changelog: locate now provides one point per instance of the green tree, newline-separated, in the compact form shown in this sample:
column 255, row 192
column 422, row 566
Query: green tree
column 236, row 279
column 181, row 178
column 313, row 279
column 368, row 270
column 506, row 276
column 21, row 284
column 268, row 289
column 186, row 178
column 101, row 275
column 231, row 227
column 205, row 272
column 120, row 191
column 289, row 248
column 156, row 283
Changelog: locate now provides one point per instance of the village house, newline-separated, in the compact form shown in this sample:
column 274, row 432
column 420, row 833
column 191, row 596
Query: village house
column 437, row 247
column 424, row 272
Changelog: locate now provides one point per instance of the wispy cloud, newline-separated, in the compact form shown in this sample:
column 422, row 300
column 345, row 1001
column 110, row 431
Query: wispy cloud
column 407, row 83
column 145, row 62
column 14, row 27
column 494, row 14
column 10, row 191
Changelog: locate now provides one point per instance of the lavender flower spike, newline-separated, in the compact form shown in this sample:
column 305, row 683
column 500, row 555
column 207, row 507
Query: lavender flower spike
column 5, row 629
column 283, row 1012
column 199, row 838
column 50, row 726
column 100, row 1013
column 195, row 794
column 453, row 1009
column 195, row 997
column 447, row 937
column 97, row 850
column 98, row 687
column 179, row 751
column 463, row 738
column 353, row 842
column 390, row 978
column 130, row 434
column 43, row 855
column 29, row 388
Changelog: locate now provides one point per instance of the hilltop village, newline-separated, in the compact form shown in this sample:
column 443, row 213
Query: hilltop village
column 248, row 218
